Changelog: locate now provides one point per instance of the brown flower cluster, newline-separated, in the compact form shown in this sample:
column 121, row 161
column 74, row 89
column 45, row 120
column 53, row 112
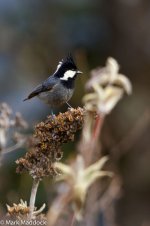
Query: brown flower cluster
column 50, row 136
column 18, row 209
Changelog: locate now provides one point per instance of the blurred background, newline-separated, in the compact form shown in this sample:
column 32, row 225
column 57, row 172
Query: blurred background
column 34, row 36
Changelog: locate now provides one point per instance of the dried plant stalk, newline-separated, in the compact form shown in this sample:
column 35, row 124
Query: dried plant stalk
column 7, row 124
column 49, row 136
column 33, row 197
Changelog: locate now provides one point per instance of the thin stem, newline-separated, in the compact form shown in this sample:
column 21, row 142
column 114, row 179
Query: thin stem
column 90, row 137
column 94, row 141
column 98, row 126
column 73, row 220
column 33, row 196
column 14, row 147
column 3, row 141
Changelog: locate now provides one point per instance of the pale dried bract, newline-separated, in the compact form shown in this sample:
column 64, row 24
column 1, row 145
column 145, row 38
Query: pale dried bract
column 107, row 86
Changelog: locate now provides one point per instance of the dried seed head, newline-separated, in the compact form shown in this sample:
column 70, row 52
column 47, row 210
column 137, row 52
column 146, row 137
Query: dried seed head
column 18, row 209
column 49, row 137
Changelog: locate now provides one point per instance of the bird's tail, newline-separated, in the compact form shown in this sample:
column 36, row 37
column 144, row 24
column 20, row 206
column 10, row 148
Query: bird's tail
column 26, row 99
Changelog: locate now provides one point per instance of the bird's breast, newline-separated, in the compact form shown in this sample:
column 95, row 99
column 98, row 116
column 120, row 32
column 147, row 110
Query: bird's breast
column 57, row 96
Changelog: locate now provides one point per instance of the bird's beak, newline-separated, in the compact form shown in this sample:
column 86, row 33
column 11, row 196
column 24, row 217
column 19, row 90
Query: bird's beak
column 79, row 72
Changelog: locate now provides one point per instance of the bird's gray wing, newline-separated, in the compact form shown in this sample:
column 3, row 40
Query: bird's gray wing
column 45, row 86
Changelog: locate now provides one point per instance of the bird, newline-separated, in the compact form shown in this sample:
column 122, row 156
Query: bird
column 59, row 87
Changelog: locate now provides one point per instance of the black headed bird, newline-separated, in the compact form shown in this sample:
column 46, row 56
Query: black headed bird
column 58, row 88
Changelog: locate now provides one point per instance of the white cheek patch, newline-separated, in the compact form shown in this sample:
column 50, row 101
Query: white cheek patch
column 68, row 74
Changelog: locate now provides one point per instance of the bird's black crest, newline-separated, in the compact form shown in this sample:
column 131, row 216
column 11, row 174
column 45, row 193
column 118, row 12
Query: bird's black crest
column 69, row 58
column 67, row 63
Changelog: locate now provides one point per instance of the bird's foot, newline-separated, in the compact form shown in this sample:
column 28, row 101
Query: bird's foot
column 69, row 106
column 52, row 114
